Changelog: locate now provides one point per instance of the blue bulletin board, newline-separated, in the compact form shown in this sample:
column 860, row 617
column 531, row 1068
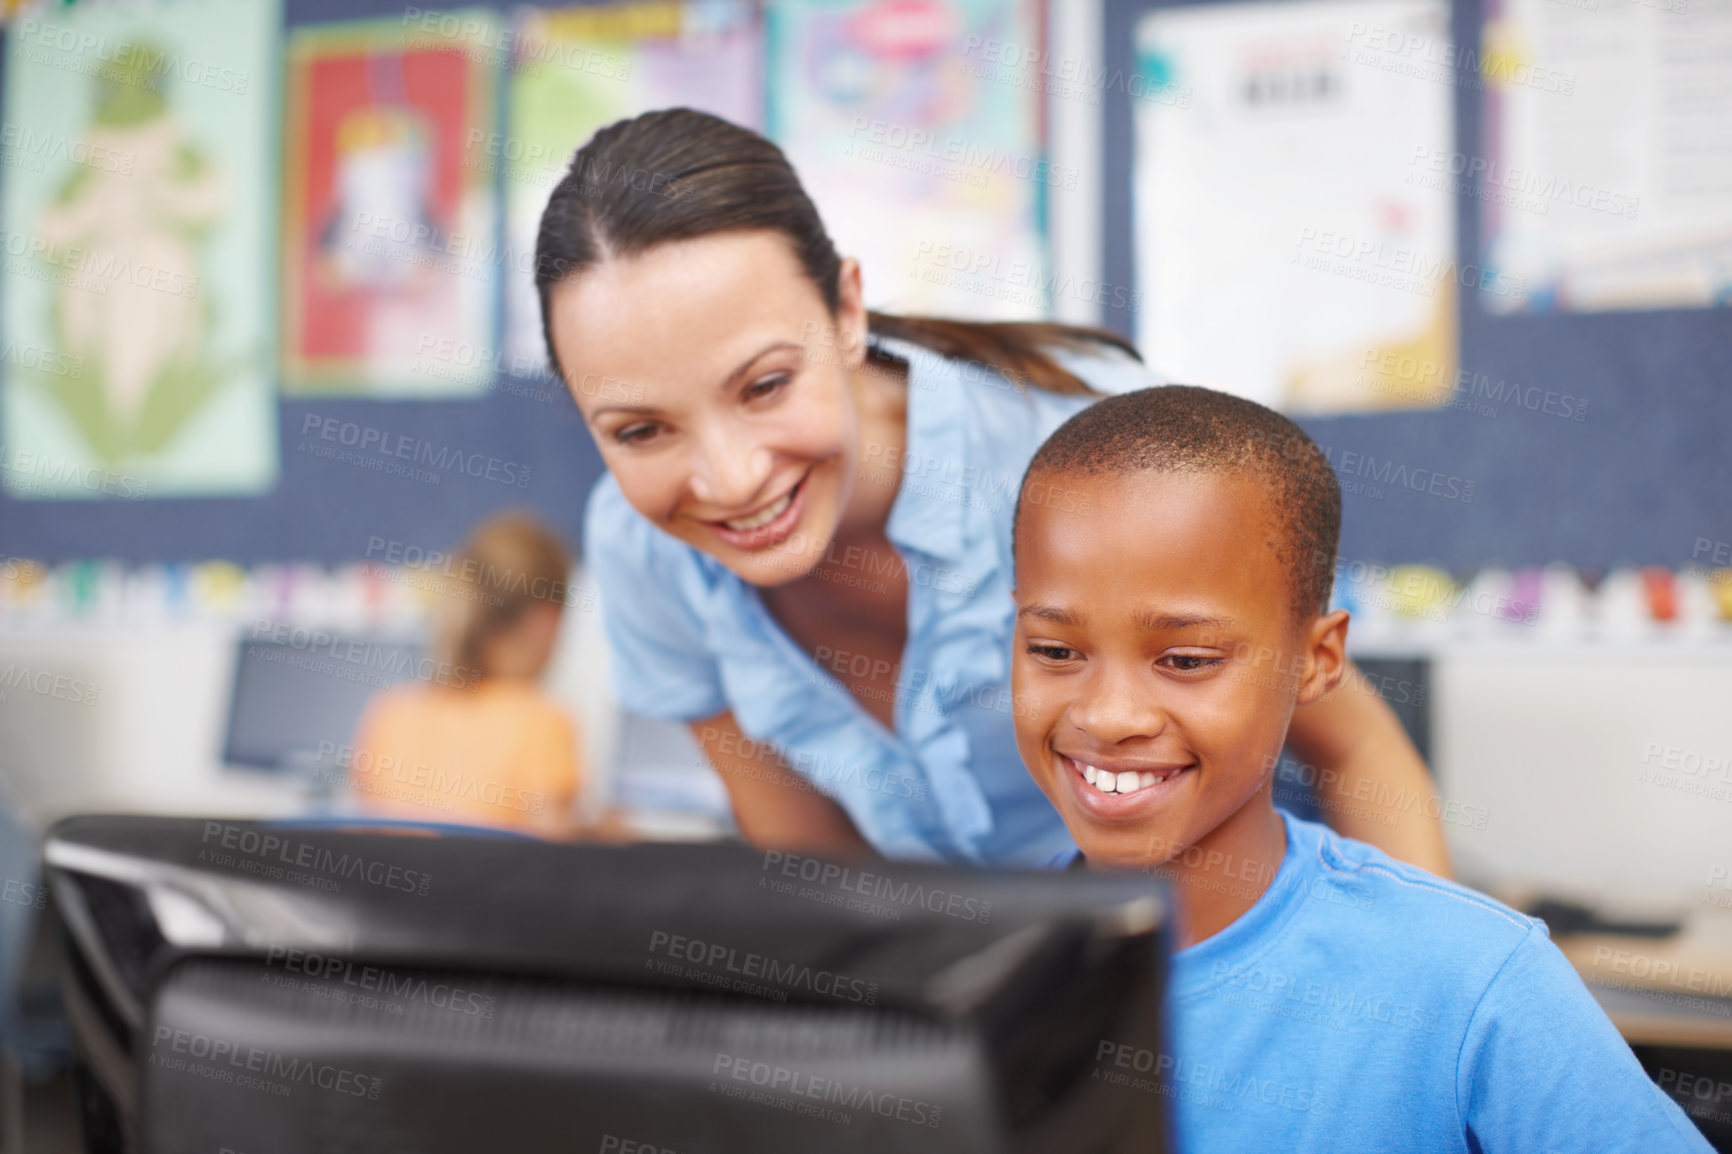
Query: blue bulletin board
column 1642, row 478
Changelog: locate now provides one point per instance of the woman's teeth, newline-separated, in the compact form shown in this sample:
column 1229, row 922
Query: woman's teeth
column 1127, row 782
column 763, row 516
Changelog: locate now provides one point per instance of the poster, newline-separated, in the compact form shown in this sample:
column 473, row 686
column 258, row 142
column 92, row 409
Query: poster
column 580, row 69
column 1607, row 182
column 135, row 341
column 390, row 245
column 1292, row 244
column 921, row 149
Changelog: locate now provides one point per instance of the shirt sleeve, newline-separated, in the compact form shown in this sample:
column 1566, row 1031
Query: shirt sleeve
column 1543, row 1068
column 662, row 663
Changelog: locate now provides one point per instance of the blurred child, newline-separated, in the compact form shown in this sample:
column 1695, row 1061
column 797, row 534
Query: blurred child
column 1172, row 583
column 490, row 747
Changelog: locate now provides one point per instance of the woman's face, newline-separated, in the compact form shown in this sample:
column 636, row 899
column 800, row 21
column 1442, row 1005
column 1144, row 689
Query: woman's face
column 720, row 391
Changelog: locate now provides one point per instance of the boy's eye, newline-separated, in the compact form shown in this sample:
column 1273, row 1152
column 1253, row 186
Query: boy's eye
column 764, row 387
column 1189, row 662
column 1052, row 652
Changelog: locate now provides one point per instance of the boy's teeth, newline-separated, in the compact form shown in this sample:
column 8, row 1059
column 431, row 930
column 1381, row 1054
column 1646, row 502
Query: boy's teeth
column 763, row 516
column 1127, row 782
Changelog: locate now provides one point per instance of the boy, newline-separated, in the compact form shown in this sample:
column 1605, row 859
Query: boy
column 1323, row 996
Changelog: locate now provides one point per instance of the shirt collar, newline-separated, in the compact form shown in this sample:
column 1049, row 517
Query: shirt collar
column 928, row 513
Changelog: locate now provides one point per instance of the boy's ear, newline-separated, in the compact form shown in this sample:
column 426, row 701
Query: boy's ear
column 1325, row 642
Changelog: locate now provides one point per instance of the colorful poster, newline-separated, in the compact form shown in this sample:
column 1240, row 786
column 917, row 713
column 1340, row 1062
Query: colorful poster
column 1607, row 182
column 580, row 69
column 1291, row 244
column 137, row 215
column 390, row 253
column 924, row 155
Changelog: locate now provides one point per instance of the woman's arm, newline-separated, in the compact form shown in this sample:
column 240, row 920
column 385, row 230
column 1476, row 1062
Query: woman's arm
column 1371, row 782
column 775, row 807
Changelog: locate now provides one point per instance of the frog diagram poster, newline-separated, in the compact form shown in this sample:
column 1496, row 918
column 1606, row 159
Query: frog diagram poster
column 135, row 348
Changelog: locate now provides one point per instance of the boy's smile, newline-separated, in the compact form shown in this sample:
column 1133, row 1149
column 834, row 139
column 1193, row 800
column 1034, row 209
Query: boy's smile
column 1157, row 661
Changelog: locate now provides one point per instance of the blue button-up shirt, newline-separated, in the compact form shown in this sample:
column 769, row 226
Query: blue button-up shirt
column 691, row 639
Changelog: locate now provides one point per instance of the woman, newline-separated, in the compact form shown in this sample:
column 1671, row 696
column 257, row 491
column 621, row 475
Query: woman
column 489, row 748
column 803, row 542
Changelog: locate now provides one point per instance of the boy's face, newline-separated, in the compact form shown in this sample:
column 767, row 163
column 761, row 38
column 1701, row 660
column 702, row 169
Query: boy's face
column 1156, row 638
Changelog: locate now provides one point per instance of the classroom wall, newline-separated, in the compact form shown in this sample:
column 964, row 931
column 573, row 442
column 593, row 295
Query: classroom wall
column 1645, row 477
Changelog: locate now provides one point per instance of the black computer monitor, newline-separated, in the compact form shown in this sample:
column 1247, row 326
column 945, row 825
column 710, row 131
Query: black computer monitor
column 269, row 988
column 297, row 698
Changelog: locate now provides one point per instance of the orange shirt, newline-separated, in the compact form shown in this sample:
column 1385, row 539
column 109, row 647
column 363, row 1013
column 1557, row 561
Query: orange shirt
column 501, row 754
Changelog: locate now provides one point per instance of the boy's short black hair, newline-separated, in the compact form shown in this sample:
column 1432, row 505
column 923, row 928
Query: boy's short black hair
column 1185, row 429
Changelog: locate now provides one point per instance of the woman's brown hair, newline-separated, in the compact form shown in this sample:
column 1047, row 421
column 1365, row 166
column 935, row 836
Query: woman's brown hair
column 508, row 563
column 679, row 174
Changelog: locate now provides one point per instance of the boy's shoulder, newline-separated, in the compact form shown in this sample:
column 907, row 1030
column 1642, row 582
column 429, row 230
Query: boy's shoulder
column 1393, row 897
column 1357, row 867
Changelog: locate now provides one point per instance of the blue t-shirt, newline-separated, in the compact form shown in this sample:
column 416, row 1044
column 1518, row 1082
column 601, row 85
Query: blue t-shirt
column 1365, row 1005
column 691, row 639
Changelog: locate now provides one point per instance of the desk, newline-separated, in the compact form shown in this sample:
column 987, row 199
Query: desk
column 1673, row 991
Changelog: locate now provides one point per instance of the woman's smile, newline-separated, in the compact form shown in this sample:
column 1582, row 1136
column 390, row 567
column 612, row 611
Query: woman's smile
column 769, row 524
